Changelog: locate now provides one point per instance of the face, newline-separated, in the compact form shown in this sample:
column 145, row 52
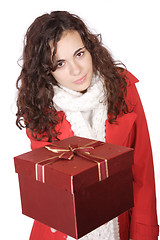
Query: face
column 74, row 62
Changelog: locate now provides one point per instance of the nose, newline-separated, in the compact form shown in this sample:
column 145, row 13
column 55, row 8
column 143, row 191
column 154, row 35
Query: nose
column 75, row 68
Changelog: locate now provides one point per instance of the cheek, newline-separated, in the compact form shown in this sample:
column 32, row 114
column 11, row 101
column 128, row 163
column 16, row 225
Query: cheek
column 58, row 76
column 89, row 62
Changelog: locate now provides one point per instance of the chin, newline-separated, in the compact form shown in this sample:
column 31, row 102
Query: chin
column 82, row 88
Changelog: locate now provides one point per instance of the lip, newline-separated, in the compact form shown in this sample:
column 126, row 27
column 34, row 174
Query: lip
column 81, row 80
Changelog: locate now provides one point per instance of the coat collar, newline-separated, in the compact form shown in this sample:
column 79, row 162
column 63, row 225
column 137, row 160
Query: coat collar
column 118, row 133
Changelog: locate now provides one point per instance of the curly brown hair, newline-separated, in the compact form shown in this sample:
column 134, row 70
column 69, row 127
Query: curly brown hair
column 35, row 83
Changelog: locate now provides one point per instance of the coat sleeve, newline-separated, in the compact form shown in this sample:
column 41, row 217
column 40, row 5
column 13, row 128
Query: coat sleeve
column 34, row 143
column 143, row 224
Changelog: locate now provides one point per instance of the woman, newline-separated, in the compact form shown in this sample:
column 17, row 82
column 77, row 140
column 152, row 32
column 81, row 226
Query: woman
column 70, row 85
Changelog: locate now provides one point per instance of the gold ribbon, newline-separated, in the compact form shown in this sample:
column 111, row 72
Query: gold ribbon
column 68, row 154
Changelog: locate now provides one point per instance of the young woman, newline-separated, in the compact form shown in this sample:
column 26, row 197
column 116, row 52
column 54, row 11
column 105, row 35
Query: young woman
column 70, row 85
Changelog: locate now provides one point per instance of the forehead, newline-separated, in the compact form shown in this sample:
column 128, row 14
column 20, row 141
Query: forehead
column 68, row 44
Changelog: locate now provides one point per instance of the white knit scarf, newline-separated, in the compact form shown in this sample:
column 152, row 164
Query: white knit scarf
column 75, row 105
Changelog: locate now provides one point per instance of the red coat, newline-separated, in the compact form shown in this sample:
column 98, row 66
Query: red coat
column 131, row 131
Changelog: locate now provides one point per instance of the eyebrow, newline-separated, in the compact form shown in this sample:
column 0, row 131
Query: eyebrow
column 61, row 60
column 78, row 50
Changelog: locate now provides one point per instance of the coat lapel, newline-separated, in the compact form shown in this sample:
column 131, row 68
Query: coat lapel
column 118, row 132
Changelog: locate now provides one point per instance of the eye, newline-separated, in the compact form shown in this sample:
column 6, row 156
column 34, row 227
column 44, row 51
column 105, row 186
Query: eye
column 80, row 54
column 60, row 64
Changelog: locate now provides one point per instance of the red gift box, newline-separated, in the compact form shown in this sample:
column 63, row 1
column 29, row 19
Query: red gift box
column 76, row 185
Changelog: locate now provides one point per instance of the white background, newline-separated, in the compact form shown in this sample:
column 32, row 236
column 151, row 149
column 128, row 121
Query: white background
column 130, row 29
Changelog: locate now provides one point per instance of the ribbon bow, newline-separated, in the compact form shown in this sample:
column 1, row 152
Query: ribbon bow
column 68, row 154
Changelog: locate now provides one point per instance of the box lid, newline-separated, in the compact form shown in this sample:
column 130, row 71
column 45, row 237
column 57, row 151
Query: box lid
column 78, row 173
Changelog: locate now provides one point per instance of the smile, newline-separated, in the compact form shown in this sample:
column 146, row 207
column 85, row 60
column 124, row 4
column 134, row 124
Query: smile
column 81, row 80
